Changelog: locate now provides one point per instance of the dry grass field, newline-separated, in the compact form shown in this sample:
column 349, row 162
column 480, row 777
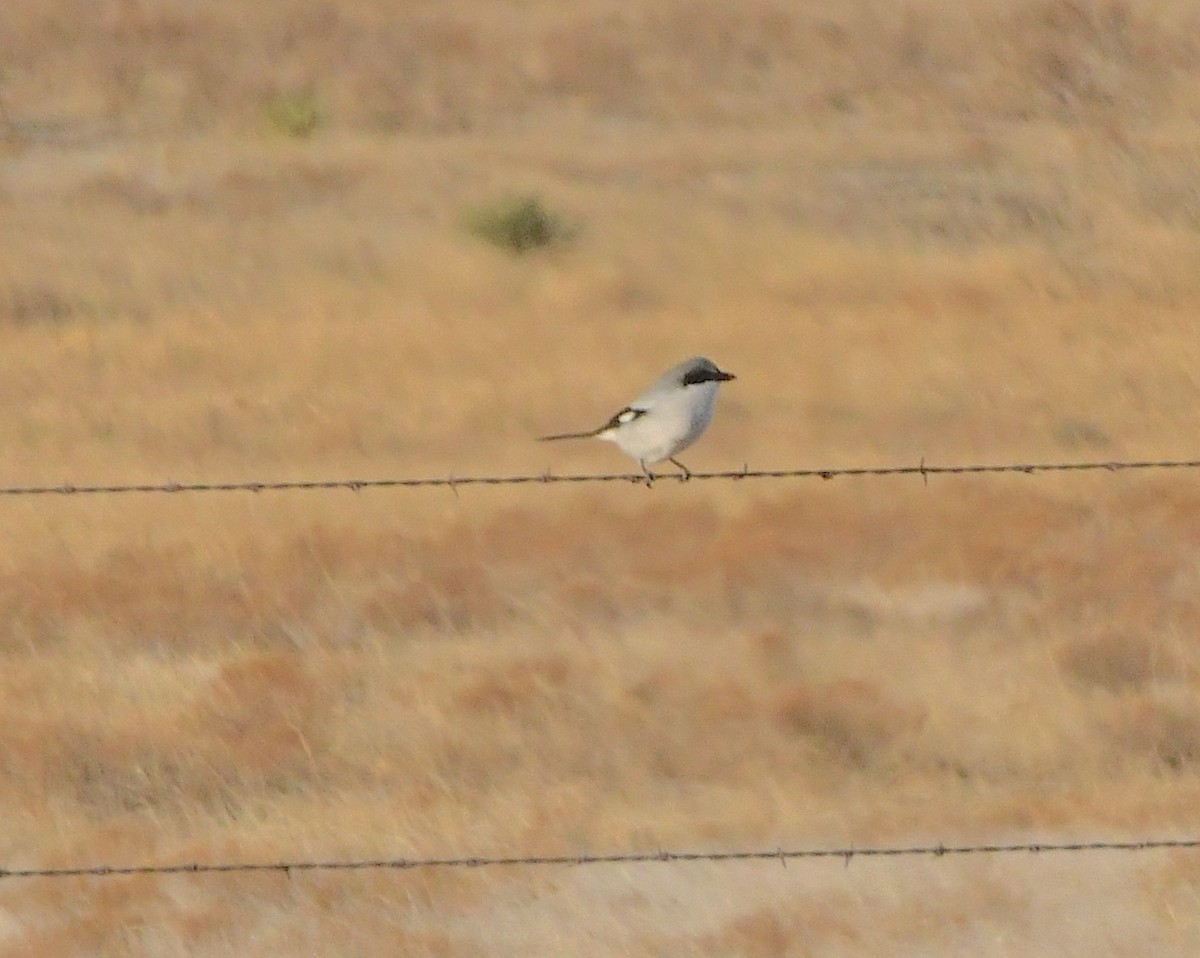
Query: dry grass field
column 235, row 248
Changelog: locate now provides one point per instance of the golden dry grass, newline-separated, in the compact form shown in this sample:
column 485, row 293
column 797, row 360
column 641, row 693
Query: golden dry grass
column 963, row 233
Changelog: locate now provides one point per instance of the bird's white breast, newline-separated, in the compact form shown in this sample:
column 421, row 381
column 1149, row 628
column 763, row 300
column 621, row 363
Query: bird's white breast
column 672, row 422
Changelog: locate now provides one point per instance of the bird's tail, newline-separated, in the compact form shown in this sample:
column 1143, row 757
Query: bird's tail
column 570, row 435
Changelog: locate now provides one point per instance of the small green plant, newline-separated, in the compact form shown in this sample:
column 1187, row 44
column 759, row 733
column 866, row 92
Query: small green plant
column 294, row 114
column 519, row 224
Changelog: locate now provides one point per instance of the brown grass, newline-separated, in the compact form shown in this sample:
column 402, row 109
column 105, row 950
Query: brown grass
column 954, row 232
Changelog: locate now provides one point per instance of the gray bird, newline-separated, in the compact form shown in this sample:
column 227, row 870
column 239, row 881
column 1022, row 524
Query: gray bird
column 665, row 419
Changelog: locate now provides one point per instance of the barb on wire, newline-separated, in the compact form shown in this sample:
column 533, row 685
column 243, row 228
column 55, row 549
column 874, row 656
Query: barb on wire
column 454, row 483
column 776, row 854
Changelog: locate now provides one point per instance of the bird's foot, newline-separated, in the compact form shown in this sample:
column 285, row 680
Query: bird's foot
column 684, row 472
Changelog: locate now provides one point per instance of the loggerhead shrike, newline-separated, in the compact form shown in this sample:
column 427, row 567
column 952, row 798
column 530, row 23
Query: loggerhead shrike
column 665, row 419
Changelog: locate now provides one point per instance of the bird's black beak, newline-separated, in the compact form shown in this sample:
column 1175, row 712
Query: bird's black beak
column 724, row 377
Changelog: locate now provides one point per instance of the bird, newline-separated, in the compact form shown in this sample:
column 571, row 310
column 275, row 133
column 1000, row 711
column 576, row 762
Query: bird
column 664, row 420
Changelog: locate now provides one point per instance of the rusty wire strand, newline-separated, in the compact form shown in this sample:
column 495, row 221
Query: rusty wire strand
column 453, row 482
column 781, row 855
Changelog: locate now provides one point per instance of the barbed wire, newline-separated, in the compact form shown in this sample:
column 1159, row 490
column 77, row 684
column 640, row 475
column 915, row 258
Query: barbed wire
column 922, row 469
column 783, row 856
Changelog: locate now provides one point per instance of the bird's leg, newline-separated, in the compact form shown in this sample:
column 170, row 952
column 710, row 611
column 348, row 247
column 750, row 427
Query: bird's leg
column 648, row 473
column 685, row 472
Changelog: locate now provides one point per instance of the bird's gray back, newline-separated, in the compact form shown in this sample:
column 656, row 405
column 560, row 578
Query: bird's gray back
column 670, row 381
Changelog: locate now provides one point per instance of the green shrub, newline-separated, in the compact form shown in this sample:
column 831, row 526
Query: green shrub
column 295, row 114
column 519, row 224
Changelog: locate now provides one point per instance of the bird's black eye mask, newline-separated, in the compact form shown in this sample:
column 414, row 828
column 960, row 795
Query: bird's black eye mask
column 703, row 374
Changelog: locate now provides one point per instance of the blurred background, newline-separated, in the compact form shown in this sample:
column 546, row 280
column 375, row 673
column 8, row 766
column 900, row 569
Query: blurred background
column 271, row 241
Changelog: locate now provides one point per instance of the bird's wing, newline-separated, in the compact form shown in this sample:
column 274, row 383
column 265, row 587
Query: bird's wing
column 628, row 414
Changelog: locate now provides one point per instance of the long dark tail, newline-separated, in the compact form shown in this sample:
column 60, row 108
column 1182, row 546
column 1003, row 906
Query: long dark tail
column 569, row 435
